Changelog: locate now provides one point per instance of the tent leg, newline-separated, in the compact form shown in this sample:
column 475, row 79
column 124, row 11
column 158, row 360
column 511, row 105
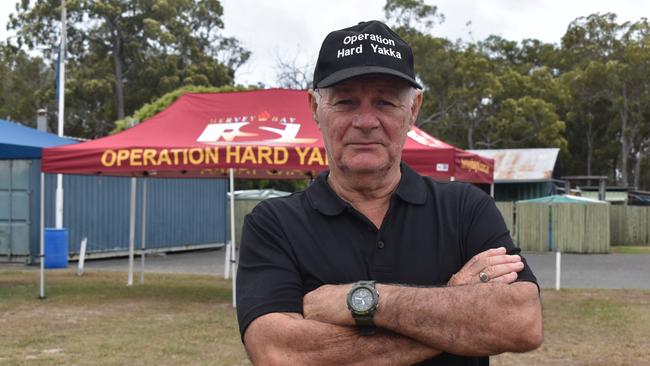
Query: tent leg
column 226, row 262
column 59, row 201
column 492, row 190
column 233, row 244
column 144, row 228
column 558, row 266
column 229, row 246
column 41, row 293
column 132, row 230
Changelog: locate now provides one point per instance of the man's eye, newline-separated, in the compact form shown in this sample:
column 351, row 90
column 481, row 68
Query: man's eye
column 343, row 102
column 387, row 103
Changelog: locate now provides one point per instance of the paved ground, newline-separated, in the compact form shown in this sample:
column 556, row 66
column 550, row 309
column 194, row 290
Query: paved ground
column 578, row 271
column 593, row 270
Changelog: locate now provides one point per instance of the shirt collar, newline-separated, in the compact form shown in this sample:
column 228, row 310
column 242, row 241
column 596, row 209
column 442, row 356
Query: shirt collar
column 411, row 189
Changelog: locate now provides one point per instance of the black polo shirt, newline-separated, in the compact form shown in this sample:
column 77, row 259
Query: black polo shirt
column 292, row 245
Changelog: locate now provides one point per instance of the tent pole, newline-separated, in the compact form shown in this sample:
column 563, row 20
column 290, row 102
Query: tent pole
column 144, row 228
column 558, row 268
column 227, row 256
column 132, row 230
column 226, row 263
column 233, row 244
column 492, row 189
column 41, row 293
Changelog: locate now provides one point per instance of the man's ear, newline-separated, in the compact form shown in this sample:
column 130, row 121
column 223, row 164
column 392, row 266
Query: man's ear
column 313, row 105
column 415, row 107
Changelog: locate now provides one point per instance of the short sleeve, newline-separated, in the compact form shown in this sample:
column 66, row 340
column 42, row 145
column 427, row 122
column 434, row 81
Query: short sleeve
column 486, row 229
column 268, row 279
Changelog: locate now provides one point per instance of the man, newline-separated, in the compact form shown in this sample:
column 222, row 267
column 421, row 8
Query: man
column 374, row 264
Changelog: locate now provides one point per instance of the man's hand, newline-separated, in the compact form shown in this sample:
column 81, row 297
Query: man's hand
column 495, row 263
column 328, row 304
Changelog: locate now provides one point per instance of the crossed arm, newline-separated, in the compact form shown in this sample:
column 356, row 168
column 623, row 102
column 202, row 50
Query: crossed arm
column 466, row 318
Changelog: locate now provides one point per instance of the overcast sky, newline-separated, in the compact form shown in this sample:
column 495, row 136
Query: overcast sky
column 291, row 29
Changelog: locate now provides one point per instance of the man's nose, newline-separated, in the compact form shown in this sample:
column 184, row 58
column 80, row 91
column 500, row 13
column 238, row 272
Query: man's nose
column 366, row 118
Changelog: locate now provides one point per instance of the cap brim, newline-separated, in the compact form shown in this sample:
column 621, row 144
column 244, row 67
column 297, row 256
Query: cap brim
column 351, row 72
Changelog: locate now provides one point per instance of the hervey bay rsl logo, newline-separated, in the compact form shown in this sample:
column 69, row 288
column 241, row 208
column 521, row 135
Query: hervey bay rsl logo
column 261, row 139
column 227, row 130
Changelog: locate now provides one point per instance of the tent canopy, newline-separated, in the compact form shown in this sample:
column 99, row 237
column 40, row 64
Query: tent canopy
column 565, row 199
column 21, row 142
column 261, row 134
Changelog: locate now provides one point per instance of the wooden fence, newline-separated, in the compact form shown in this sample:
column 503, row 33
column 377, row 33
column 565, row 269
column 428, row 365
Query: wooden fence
column 630, row 225
column 507, row 210
column 574, row 228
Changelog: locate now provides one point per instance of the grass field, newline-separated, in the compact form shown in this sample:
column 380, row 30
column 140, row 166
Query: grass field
column 188, row 320
column 630, row 249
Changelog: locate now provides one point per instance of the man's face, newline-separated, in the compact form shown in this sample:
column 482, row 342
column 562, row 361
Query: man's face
column 364, row 121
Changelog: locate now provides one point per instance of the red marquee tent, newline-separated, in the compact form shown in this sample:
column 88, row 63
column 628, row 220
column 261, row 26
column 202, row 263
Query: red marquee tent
column 261, row 134
column 257, row 134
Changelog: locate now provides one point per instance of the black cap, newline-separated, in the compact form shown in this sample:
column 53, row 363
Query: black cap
column 366, row 48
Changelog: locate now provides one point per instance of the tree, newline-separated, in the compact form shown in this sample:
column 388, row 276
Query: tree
column 122, row 54
column 527, row 122
column 414, row 15
column 26, row 85
column 624, row 50
column 591, row 110
column 292, row 74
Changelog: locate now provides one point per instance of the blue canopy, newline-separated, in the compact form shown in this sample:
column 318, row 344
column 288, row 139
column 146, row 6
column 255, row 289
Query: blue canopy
column 20, row 142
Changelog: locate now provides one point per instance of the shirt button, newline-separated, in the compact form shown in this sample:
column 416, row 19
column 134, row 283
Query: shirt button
column 380, row 245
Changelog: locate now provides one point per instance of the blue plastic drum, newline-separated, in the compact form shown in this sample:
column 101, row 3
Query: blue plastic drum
column 56, row 248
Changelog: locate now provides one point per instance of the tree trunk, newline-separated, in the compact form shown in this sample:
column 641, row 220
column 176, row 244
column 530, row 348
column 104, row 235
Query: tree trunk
column 119, row 82
column 590, row 147
column 637, row 169
column 625, row 145
column 117, row 64
column 470, row 136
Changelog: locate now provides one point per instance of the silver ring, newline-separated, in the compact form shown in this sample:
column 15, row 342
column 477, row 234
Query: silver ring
column 483, row 277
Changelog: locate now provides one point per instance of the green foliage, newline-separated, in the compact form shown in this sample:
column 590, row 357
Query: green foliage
column 123, row 54
column 150, row 109
column 589, row 95
column 24, row 84
column 409, row 14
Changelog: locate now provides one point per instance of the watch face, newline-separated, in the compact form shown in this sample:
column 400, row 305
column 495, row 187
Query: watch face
column 362, row 299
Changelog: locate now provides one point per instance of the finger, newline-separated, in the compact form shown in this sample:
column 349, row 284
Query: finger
column 475, row 264
column 507, row 278
column 503, row 269
column 501, row 259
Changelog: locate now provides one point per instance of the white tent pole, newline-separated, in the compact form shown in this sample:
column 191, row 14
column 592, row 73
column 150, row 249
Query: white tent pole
column 59, row 177
column 226, row 262
column 558, row 266
column 41, row 293
column 233, row 244
column 229, row 246
column 144, row 228
column 132, row 230
column 492, row 190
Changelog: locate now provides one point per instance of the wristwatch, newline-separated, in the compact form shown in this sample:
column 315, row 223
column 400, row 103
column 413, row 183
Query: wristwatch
column 363, row 301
